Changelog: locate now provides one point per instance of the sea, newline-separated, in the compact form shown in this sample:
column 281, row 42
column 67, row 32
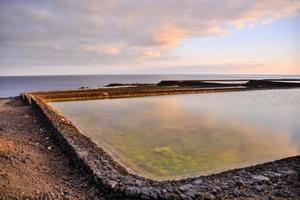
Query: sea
column 14, row 85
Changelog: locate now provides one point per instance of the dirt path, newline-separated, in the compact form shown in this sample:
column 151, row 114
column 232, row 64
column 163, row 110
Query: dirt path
column 31, row 165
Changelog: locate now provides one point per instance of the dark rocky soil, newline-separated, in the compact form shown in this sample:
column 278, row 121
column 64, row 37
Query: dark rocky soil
column 31, row 165
column 267, row 84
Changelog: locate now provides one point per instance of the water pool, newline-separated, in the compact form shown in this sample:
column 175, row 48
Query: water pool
column 170, row 137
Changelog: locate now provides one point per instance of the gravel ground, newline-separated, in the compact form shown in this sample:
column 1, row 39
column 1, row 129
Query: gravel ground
column 31, row 165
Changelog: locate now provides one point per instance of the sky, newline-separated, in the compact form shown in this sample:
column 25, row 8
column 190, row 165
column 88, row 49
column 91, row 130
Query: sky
column 53, row 37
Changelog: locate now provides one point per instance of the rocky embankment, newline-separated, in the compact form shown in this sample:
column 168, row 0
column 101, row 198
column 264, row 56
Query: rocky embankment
column 44, row 156
column 274, row 180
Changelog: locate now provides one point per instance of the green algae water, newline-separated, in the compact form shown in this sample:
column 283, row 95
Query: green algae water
column 171, row 137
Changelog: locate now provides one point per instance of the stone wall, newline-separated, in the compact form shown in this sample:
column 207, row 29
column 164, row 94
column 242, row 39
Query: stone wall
column 118, row 182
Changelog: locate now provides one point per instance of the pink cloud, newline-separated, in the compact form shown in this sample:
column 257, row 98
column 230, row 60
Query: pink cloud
column 101, row 49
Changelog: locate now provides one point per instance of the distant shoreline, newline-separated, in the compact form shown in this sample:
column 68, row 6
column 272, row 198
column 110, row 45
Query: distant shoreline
column 168, row 87
column 14, row 85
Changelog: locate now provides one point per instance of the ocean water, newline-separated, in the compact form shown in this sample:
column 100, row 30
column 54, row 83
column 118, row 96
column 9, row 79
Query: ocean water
column 169, row 137
column 14, row 85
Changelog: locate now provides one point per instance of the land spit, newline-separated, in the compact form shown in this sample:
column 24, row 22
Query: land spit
column 274, row 180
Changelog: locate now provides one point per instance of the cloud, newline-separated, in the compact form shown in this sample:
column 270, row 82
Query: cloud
column 94, row 49
column 169, row 35
column 101, row 31
column 151, row 53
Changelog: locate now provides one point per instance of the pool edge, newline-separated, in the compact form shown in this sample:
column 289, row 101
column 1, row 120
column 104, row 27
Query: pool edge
column 117, row 182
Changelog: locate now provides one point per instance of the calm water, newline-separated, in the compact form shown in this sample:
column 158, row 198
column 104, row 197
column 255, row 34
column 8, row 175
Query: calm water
column 166, row 137
column 13, row 86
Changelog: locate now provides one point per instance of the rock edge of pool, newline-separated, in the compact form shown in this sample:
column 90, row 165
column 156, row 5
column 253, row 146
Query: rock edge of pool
column 118, row 182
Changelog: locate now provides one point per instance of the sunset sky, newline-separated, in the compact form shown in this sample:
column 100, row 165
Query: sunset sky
column 149, row 36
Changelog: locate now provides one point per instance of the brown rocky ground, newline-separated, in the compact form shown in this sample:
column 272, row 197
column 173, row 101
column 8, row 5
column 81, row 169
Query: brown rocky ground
column 31, row 165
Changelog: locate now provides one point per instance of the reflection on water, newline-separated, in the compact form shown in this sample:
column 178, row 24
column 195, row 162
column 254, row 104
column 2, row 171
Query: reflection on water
column 166, row 137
